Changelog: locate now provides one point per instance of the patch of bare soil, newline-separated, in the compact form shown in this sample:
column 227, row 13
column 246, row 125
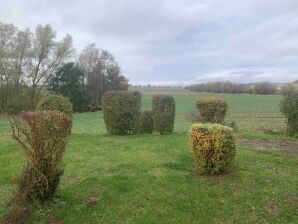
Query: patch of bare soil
column 286, row 146
column 273, row 209
column 93, row 200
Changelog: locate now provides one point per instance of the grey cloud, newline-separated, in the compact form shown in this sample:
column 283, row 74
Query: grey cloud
column 177, row 41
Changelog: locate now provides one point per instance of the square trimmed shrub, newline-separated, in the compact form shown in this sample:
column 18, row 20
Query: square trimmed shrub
column 122, row 111
column 147, row 122
column 212, row 109
column 213, row 147
column 163, row 109
column 43, row 137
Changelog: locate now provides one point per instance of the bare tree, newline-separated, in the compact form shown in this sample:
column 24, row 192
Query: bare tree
column 46, row 55
column 14, row 49
column 102, row 73
column 89, row 59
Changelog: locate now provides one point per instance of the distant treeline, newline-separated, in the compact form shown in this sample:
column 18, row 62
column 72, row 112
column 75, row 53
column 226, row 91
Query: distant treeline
column 262, row 88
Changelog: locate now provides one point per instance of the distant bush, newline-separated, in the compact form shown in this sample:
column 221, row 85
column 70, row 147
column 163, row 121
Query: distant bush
column 212, row 109
column 56, row 102
column 220, row 87
column 264, row 88
column 122, row 111
column 146, row 122
column 42, row 136
column 296, row 81
column 289, row 107
column 213, row 147
column 163, row 109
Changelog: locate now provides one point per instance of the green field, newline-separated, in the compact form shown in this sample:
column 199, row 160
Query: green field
column 150, row 178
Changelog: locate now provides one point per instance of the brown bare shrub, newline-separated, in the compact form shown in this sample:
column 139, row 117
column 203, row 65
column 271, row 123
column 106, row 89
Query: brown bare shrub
column 42, row 136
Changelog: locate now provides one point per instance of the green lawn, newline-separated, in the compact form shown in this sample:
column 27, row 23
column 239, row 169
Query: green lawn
column 150, row 178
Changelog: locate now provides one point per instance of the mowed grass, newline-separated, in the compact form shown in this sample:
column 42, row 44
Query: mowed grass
column 151, row 178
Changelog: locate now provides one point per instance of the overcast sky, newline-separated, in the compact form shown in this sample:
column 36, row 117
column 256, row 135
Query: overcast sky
column 175, row 42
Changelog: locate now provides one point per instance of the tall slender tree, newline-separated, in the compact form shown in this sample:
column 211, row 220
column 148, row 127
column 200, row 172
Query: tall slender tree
column 14, row 54
column 47, row 55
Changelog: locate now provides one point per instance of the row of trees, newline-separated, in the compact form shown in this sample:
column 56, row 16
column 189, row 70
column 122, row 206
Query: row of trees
column 262, row 88
column 31, row 62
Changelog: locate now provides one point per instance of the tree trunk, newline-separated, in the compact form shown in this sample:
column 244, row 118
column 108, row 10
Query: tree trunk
column 32, row 97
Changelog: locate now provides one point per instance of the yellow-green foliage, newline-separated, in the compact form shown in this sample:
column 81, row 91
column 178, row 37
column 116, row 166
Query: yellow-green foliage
column 56, row 102
column 163, row 109
column 212, row 109
column 213, row 147
column 122, row 111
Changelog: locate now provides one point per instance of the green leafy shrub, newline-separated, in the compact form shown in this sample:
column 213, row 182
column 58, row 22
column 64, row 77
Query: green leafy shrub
column 213, row 147
column 42, row 136
column 56, row 102
column 289, row 107
column 147, row 122
column 122, row 111
column 212, row 109
column 163, row 109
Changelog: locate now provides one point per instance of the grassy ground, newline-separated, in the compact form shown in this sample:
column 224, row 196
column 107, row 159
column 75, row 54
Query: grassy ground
column 150, row 178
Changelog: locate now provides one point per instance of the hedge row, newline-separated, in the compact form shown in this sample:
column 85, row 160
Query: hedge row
column 122, row 113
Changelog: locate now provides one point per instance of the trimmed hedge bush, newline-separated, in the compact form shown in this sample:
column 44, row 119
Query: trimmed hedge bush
column 213, row 147
column 147, row 122
column 212, row 109
column 122, row 111
column 163, row 109
column 43, row 137
column 56, row 102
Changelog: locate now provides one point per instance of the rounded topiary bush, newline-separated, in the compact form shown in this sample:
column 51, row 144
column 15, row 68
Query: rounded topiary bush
column 56, row 102
column 146, row 122
column 213, row 147
column 122, row 111
column 163, row 109
column 212, row 109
